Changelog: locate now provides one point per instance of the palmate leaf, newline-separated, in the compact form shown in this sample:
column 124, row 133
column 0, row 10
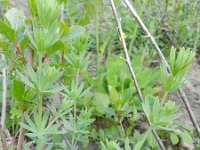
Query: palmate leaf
column 48, row 78
column 169, row 81
column 40, row 130
column 110, row 145
column 139, row 145
column 44, row 119
column 43, row 38
column 48, row 11
column 25, row 80
column 179, row 64
column 30, row 126
column 157, row 113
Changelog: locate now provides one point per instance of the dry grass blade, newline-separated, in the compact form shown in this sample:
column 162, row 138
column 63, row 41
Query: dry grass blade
column 131, row 69
column 153, row 42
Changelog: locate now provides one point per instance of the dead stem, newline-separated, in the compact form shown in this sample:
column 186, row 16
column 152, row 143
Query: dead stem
column 3, row 138
column 159, row 52
column 4, row 92
column 120, row 31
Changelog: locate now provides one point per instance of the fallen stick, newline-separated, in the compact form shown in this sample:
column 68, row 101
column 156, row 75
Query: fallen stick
column 128, row 62
column 159, row 52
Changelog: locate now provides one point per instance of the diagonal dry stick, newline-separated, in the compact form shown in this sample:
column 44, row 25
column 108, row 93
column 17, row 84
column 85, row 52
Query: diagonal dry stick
column 153, row 42
column 120, row 31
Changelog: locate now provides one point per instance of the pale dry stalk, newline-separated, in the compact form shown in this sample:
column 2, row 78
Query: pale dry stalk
column 159, row 52
column 128, row 62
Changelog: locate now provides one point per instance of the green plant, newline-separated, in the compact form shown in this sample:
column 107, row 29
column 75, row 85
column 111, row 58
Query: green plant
column 54, row 99
column 179, row 66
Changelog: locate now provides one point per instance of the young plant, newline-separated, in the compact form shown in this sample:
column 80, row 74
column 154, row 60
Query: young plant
column 179, row 65
column 41, row 132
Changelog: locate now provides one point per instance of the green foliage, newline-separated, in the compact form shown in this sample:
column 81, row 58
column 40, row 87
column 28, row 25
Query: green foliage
column 18, row 90
column 7, row 31
column 44, row 37
column 50, row 8
column 40, row 131
column 110, row 145
column 139, row 145
column 179, row 66
column 186, row 137
column 70, row 96
column 33, row 7
column 158, row 114
column 174, row 138
column 43, row 82
column 16, row 19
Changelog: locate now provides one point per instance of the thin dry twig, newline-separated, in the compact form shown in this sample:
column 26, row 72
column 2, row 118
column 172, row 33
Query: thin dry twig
column 21, row 134
column 3, row 138
column 120, row 31
column 153, row 42
column 4, row 92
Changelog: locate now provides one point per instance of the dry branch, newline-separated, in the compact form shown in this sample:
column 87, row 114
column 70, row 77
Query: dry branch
column 4, row 92
column 3, row 139
column 159, row 52
column 128, row 62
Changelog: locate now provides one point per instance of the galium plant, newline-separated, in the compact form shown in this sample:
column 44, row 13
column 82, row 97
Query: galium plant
column 99, row 107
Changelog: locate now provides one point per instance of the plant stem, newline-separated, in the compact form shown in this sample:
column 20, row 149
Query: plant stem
column 159, row 52
column 75, row 107
column 120, row 31
column 97, row 35
column 39, row 93
column 39, row 145
column 40, row 101
column 40, row 107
